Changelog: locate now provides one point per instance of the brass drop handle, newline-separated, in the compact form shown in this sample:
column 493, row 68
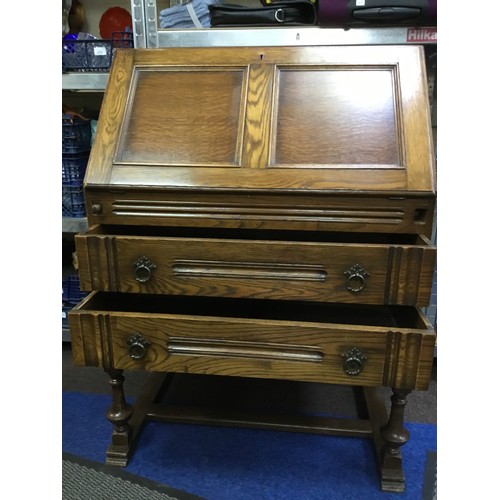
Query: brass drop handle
column 354, row 361
column 137, row 346
column 356, row 278
column 143, row 268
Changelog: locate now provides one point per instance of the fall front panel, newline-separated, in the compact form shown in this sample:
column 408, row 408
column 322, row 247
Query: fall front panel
column 345, row 116
column 184, row 117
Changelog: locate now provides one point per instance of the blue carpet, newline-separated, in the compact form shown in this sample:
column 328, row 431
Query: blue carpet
column 239, row 464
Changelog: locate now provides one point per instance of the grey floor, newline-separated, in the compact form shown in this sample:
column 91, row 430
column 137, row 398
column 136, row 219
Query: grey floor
column 250, row 393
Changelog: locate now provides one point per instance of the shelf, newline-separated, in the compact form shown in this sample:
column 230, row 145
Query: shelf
column 253, row 36
column 85, row 81
column 66, row 336
column 74, row 225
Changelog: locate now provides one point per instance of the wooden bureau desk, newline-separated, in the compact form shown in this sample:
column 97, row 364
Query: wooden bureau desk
column 261, row 212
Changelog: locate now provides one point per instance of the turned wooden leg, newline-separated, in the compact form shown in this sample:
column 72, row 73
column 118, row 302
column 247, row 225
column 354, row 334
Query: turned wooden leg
column 394, row 436
column 119, row 414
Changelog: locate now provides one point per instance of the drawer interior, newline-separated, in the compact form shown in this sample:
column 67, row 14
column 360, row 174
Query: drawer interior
column 271, row 235
column 316, row 312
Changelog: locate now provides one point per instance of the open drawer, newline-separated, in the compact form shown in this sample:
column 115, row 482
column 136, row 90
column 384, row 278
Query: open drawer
column 368, row 268
column 306, row 341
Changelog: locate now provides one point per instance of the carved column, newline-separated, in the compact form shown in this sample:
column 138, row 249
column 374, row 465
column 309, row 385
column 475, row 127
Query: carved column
column 394, row 435
column 118, row 414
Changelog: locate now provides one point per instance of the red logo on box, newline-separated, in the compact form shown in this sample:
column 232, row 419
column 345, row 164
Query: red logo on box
column 419, row 35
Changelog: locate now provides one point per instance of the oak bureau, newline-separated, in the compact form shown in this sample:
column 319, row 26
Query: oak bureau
column 261, row 212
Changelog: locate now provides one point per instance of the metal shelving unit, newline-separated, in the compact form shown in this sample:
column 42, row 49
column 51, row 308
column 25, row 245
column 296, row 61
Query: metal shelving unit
column 66, row 336
column 97, row 81
column 156, row 36
column 85, row 81
column 247, row 37
column 74, row 224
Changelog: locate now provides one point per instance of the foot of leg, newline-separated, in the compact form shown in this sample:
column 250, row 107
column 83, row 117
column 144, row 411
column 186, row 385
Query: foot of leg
column 394, row 436
column 119, row 414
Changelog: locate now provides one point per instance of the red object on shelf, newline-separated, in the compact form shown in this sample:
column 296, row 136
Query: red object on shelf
column 114, row 19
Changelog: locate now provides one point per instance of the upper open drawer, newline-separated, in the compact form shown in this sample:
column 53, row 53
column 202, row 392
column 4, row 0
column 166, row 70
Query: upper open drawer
column 274, row 119
column 288, row 265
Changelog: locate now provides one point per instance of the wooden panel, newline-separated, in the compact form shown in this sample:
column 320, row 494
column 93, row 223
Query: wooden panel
column 413, row 362
column 256, row 142
column 90, row 337
column 111, row 116
column 184, row 117
column 349, row 118
column 409, row 275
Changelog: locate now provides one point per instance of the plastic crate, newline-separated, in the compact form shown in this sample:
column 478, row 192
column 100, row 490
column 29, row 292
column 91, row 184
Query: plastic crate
column 65, row 310
column 87, row 55
column 73, row 201
column 73, row 168
column 75, row 295
column 65, row 290
column 93, row 55
column 122, row 40
column 71, row 293
column 76, row 134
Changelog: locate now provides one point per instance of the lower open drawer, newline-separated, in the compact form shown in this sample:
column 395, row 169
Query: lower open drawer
column 307, row 341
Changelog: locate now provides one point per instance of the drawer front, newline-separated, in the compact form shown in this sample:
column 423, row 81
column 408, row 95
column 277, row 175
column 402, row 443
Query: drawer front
column 283, row 270
column 250, row 347
column 298, row 211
